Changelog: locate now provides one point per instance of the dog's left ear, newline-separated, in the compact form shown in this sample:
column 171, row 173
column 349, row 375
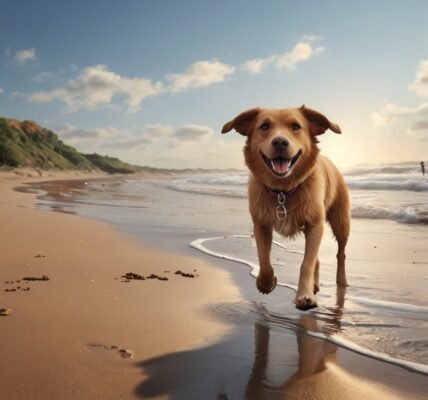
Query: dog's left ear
column 243, row 123
column 318, row 123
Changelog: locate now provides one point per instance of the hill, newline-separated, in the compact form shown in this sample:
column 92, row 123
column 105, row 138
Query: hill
column 26, row 144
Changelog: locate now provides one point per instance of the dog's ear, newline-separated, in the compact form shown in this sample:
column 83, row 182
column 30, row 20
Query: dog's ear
column 243, row 123
column 318, row 123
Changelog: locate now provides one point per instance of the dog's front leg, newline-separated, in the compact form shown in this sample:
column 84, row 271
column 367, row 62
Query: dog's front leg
column 266, row 280
column 305, row 298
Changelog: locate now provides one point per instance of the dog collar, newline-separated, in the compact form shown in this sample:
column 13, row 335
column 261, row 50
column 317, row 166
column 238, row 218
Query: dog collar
column 276, row 193
column 281, row 196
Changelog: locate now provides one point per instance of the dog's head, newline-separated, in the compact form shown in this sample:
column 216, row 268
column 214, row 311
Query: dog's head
column 281, row 143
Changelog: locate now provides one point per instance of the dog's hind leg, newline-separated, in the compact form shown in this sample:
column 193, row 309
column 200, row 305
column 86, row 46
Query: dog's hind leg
column 339, row 220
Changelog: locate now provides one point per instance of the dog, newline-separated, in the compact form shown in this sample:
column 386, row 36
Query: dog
column 293, row 189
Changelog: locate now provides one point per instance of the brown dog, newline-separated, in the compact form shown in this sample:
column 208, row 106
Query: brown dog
column 293, row 189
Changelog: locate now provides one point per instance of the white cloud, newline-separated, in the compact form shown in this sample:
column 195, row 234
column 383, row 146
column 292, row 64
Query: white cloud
column 1, row 90
column 162, row 136
column 192, row 133
column 199, row 74
column 420, row 85
column 257, row 65
column 302, row 51
column 391, row 111
column 155, row 132
column 23, row 56
column 89, row 139
column 96, row 86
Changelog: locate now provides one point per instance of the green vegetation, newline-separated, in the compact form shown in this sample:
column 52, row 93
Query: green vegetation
column 25, row 144
column 111, row 164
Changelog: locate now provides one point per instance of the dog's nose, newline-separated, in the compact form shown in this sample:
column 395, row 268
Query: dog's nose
column 280, row 143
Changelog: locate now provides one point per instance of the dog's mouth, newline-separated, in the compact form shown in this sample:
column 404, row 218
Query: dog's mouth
column 281, row 166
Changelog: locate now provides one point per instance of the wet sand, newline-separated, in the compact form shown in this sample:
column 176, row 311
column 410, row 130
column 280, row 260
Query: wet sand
column 88, row 332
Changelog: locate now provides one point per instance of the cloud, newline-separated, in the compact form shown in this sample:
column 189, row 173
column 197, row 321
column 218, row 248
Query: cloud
column 96, row 86
column 390, row 112
column 302, row 51
column 419, row 130
column 164, row 136
column 192, row 133
column 199, row 74
column 89, row 139
column 1, row 91
column 154, row 136
column 24, row 56
column 420, row 85
column 256, row 65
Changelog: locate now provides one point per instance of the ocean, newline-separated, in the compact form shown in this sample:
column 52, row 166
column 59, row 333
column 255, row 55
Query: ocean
column 384, row 312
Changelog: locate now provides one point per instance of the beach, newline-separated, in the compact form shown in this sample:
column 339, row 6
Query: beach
column 87, row 332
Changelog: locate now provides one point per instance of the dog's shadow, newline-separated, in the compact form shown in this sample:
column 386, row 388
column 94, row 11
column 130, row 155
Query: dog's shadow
column 231, row 369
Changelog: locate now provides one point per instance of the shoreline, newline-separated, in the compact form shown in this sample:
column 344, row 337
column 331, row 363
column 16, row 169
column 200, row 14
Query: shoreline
column 194, row 329
column 84, row 304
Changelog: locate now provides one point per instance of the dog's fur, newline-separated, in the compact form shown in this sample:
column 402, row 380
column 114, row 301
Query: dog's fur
column 317, row 190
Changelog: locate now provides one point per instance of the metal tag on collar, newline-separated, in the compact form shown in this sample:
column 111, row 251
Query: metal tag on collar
column 281, row 211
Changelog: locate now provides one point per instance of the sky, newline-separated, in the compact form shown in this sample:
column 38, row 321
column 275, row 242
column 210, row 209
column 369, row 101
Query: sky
column 153, row 82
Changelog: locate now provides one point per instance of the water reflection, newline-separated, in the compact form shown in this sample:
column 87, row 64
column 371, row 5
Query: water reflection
column 257, row 362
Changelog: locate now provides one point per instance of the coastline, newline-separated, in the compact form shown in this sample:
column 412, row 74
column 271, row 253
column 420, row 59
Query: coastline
column 64, row 325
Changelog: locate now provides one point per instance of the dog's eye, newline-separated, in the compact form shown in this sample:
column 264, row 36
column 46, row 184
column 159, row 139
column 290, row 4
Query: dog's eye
column 265, row 126
column 295, row 126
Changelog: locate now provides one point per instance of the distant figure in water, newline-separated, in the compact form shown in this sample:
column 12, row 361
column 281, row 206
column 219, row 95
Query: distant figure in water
column 423, row 168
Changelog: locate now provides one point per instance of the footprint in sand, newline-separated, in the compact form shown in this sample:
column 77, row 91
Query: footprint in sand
column 124, row 353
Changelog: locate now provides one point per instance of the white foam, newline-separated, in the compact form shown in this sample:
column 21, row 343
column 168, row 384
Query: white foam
column 392, row 305
column 347, row 344
column 406, row 215
column 335, row 339
column 410, row 182
column 198, row 244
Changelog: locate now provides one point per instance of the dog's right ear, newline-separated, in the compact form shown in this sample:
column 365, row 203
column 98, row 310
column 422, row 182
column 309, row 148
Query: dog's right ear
column 243, row 123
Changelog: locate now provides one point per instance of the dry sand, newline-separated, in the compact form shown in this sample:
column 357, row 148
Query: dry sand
column 58, row 342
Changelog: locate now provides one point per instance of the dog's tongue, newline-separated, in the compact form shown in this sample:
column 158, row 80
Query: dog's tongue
column 280, row 165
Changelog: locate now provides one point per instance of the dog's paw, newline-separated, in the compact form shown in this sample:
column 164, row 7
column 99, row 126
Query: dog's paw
column 306, row 302
column 265, row 284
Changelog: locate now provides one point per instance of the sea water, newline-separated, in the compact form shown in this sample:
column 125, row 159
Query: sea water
column 383, row 314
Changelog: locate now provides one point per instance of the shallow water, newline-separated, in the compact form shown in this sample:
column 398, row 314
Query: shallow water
column 384, row 313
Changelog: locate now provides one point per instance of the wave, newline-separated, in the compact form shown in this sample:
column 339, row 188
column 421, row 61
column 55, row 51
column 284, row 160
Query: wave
column 395, row 170
column 406, row 215
column 211, row 191
column 379, row 183
column 336, row 339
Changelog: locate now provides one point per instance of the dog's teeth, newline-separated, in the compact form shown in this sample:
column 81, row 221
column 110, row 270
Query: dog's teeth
column 289, row 163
